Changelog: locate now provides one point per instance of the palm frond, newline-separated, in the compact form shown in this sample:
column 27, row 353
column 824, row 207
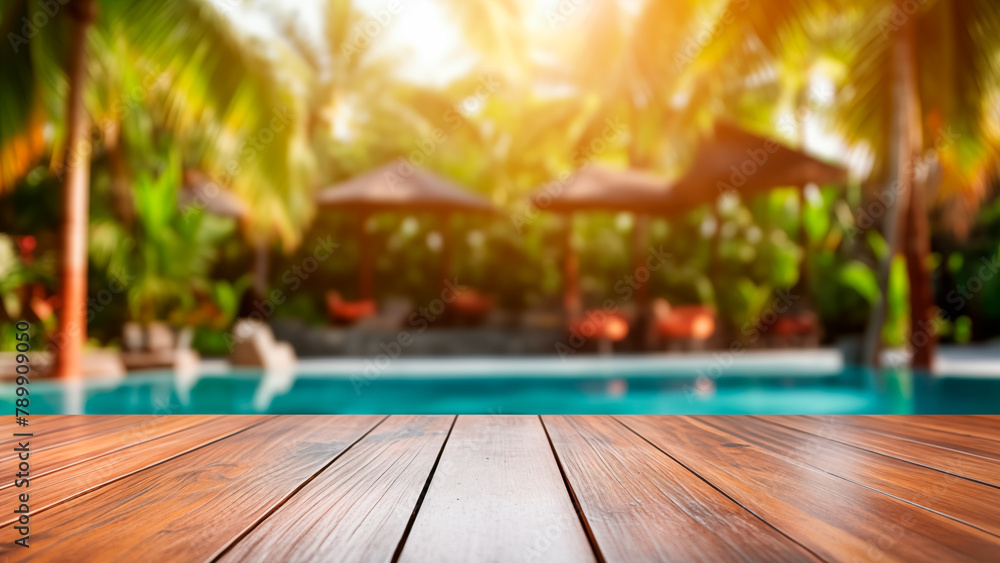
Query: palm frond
column 21, row 116
column 227, row 96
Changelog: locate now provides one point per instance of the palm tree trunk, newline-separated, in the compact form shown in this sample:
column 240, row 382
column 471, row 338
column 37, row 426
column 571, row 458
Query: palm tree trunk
column 900, row 179
column 802, row 286
column 121, row 192
column 261, row 267
column 917, row 243
column 72, row 331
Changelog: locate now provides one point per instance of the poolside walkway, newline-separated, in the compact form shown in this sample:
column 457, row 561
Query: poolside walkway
column 507, row 488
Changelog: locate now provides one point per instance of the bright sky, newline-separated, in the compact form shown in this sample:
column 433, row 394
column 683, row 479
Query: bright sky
column 428, row 35
column 432, row 43
column 420, row 29
column 423, row 30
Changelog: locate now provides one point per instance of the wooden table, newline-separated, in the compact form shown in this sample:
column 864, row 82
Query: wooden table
column 507, row 488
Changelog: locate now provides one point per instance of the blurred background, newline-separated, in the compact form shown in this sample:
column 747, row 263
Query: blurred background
column 686, row 192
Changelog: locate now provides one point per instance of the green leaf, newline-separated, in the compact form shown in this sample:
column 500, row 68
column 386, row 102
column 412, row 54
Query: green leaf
column 862, row 279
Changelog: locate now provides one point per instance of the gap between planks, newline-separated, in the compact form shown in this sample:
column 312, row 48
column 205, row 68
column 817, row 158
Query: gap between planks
column 113, row 480
column 572, row 495
column 720, row 491
column 288, row 497
column 423, row 493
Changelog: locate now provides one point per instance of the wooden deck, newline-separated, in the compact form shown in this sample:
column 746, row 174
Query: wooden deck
column 507, row 488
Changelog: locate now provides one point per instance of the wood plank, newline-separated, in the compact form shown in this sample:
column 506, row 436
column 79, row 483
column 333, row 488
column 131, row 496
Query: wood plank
column 54, row 487
column 930, row 452
column 497, row 495
column 640, row 505
column 947, row 432
column 53, row 431
column 967, row 501
column 991, row 420
column 8, row 426
column 833, row 517
column 193, row 506
column 64, row 455
column 359, row 507
column 896, row 427
column 965, row 425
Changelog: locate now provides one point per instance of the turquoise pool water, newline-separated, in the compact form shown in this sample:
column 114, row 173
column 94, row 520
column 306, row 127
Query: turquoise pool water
column 522, row 386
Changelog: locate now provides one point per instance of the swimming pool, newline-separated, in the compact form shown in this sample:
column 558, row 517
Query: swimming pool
column 524, row 385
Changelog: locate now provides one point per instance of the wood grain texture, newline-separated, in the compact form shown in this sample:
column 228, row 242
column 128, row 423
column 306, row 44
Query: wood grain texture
column 497, row 495
column 193, row 506
column 56, row 421
column 53, row 431
column 59, row 456
column 926, row 448
column 359, row 507
column 157, row 441
column 967, row 425
column 833, row 517
column 641, row 505
column 967, row 501
column 936, row 431
column 636, row 488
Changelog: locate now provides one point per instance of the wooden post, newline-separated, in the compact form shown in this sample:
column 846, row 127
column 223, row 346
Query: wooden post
column 640, row 237
column 72, row 331
column 800, row 102
column 571, row 274
column 261, row 266
column 445, row 247
column 366, row 269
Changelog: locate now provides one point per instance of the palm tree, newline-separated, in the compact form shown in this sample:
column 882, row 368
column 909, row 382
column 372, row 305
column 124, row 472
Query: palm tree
column 901, row 118
column 221, row 93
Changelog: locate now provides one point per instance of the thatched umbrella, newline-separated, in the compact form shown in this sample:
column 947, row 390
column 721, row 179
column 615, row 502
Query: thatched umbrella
column 596, row 188
column 599, row 188
column 730, row 160
column 733, row 160
column 398, row 185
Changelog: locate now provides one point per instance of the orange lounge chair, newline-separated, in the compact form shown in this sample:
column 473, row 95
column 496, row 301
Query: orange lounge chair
column 348, row 312
column 470, row 307
column 694, row 323
column 600, row 326
column 795, row 329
